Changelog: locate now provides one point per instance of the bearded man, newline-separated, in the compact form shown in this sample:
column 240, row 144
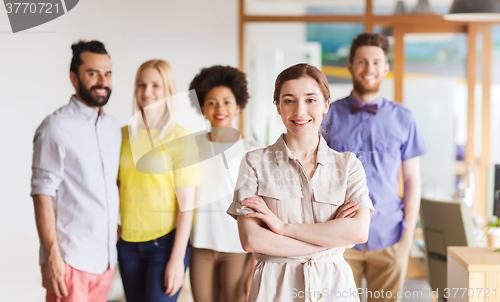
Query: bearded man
column 382, row 134
column 75, row 165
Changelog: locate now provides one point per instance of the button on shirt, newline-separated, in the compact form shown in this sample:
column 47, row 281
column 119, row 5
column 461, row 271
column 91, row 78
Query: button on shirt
column 75, row 160
column 380, row 141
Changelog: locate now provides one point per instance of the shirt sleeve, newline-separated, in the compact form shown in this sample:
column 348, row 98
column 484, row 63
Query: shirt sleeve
column 415, row 144
column 124, row 140
column 356, row 188
column 250, row 144
column 327, row 124
column 246, row 186
column 48, row 160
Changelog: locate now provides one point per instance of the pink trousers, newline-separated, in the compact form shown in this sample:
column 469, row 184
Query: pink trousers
column 84, row 287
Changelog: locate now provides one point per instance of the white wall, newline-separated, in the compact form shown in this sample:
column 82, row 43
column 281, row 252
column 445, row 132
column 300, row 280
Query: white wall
column 34, row 81
column 270, row 48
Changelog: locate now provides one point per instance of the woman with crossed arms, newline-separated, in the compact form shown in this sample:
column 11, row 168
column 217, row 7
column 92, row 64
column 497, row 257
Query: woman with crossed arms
column 292, row 201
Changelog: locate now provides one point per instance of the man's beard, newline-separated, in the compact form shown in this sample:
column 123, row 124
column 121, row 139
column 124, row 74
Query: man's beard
column 86, row 95
column 361, row 88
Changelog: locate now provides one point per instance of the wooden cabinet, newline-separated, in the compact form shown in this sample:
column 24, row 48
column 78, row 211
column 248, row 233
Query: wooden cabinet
column 473, row 275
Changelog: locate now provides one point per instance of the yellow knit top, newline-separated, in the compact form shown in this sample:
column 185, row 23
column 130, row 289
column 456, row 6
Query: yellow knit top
column 147, row 178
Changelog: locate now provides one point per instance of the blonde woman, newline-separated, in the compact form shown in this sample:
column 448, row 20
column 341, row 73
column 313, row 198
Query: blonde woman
column 153, row 248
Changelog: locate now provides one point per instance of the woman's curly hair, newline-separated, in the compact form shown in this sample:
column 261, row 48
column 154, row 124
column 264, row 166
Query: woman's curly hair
column 216, row 76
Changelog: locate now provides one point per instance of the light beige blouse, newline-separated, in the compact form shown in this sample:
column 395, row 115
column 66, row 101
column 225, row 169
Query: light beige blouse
column 275, row 175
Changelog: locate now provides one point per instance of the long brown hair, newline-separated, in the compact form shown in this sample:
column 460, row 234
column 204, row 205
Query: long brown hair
column 299, row 71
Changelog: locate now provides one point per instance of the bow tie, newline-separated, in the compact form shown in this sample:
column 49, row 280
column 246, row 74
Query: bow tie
column 356, row 107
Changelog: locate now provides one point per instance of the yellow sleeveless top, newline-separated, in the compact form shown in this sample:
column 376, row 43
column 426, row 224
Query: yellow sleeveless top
column 148, row 205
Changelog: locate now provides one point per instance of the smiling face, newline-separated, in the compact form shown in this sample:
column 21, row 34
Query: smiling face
column 220, row 106
column 149, row 87
column 93, row 81
column 368, row 69
column 302, row 106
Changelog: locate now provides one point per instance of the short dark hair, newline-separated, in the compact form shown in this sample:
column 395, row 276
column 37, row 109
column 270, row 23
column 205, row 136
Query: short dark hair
column 82, row 46
column 216, row 76
column 365, row 39
column 298, row 71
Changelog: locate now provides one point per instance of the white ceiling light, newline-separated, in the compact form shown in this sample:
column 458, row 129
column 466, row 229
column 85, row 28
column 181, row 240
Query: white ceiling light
column 474, row 10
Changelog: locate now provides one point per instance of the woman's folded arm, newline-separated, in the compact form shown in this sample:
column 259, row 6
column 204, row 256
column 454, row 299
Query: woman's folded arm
column 332, row 233
column 256, row 238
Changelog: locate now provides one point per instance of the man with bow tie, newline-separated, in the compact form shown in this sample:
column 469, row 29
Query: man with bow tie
column 382, row 134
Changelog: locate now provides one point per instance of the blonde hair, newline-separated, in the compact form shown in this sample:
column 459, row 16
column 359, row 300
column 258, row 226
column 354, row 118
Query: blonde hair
column 168, row 120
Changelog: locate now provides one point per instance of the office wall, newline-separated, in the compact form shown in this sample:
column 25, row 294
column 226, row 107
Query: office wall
column 34, row 81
